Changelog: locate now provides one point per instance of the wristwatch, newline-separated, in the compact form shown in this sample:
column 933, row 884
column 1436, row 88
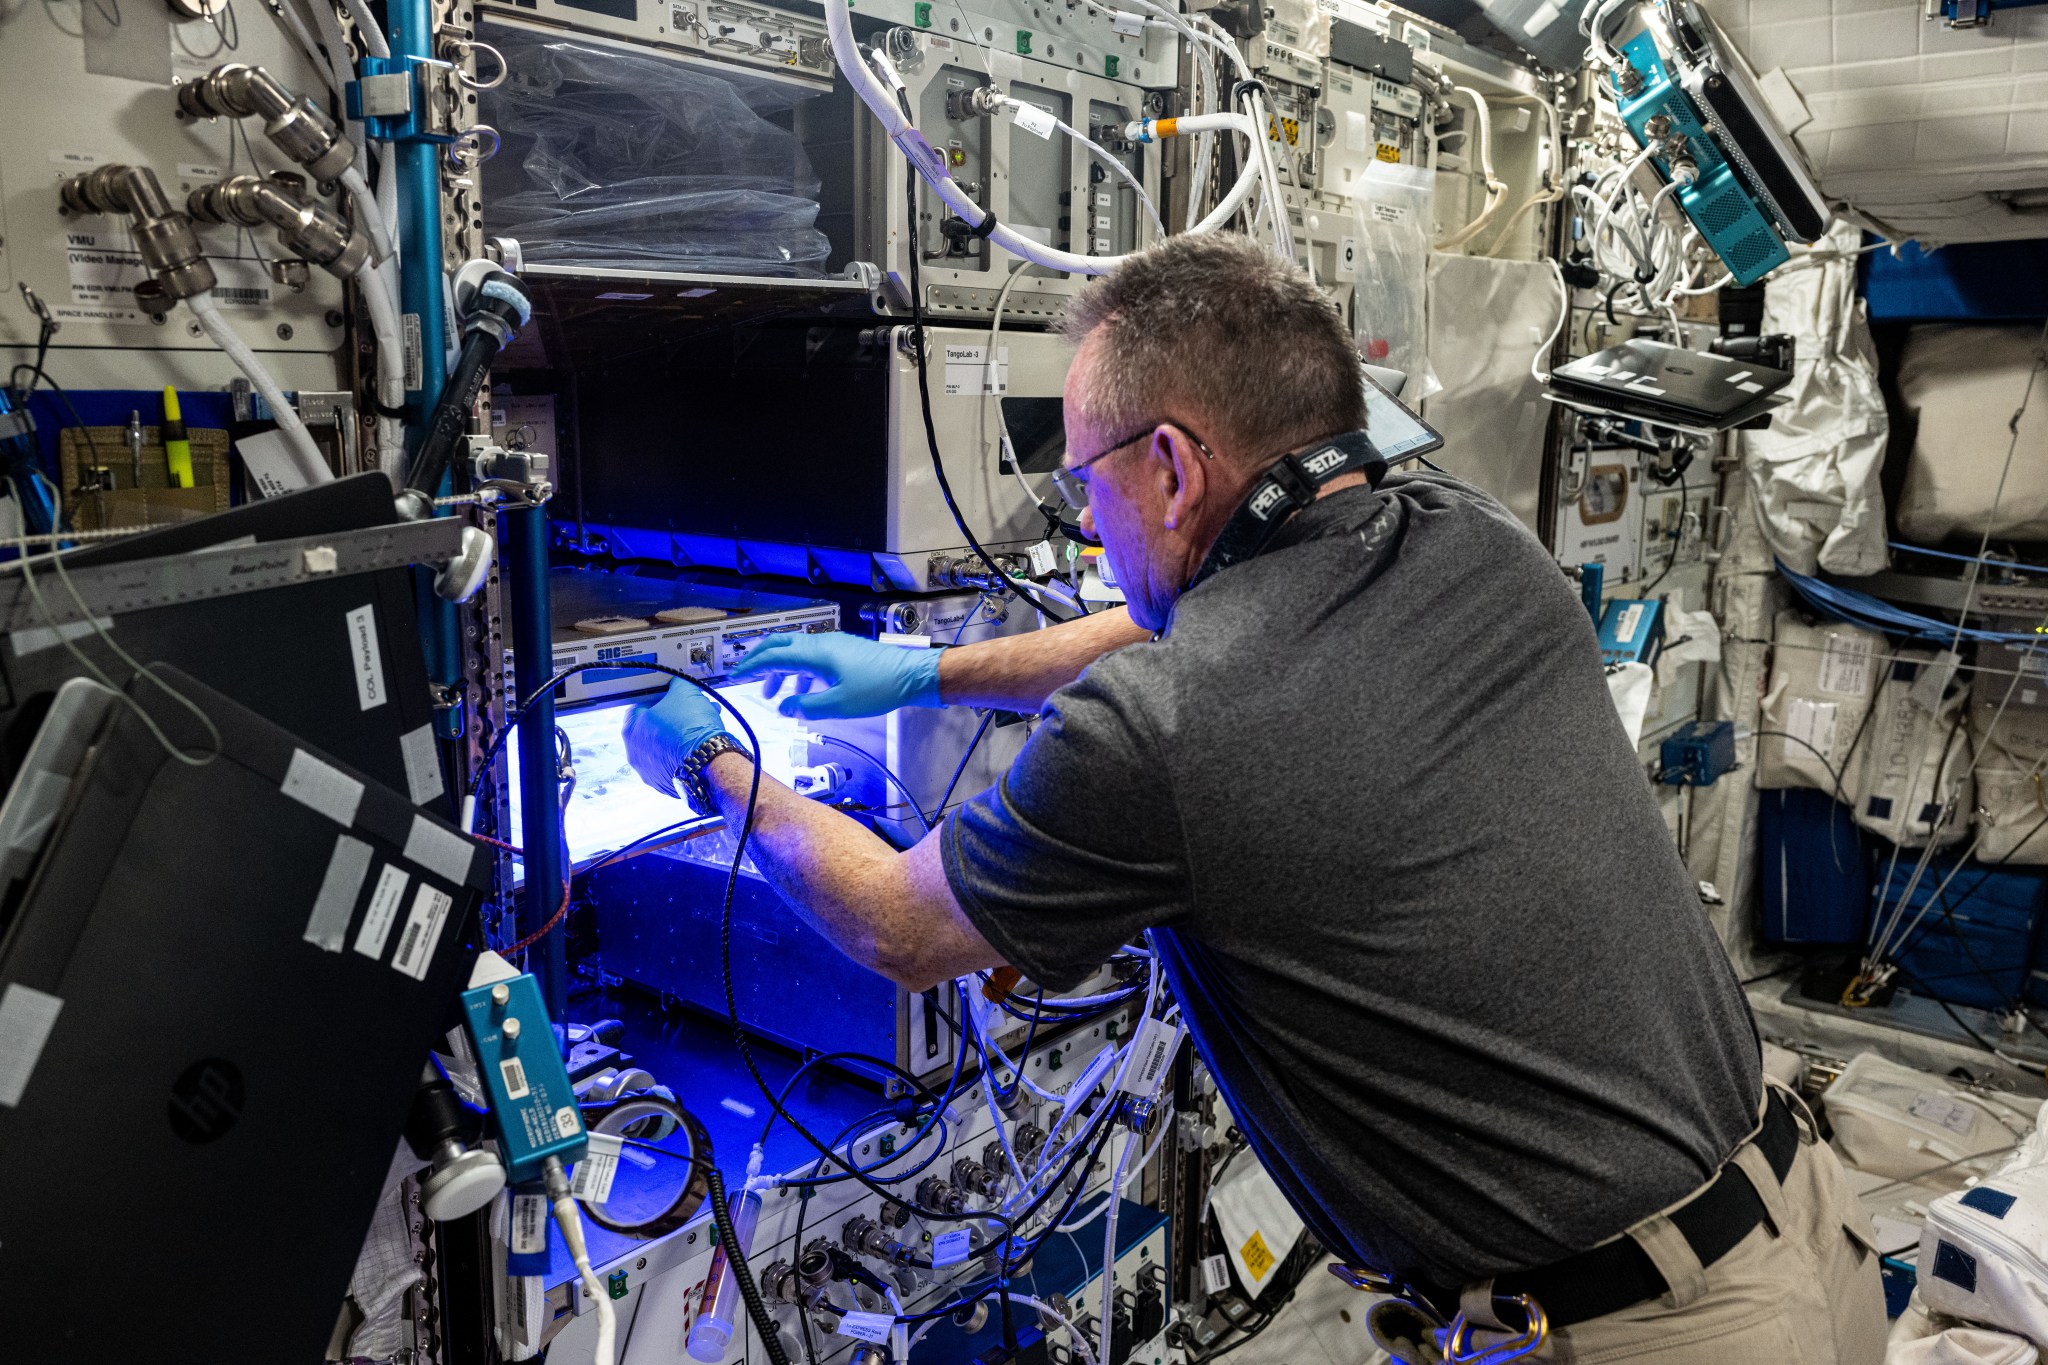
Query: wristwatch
column 690, row 776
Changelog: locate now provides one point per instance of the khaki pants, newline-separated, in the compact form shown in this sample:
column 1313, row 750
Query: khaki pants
column 1801, row 1289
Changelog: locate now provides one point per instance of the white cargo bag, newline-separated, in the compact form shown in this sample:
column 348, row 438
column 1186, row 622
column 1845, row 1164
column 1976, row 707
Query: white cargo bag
column 1962, row 384
column 2011, row 740
column 1984, row 1253
column 1822, row 680
column 1893, row 1121
column 1964, row 1346
column 1913, row 761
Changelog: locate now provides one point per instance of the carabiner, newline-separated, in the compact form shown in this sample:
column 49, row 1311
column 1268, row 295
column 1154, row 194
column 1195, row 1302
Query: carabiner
column 1455, row 1340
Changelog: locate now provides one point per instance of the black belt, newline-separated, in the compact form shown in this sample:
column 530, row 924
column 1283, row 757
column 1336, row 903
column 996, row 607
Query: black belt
column 1620, row 1274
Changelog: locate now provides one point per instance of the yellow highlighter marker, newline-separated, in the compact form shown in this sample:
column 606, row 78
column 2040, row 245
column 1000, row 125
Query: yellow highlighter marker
column 177, row 449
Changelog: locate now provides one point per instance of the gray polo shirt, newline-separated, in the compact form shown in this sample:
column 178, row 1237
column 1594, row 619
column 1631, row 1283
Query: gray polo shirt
column 1412, row 890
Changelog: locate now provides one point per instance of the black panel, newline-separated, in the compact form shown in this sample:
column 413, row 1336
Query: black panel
column 1038, row 432
column 1361, row 49
column 777, row 433
column 618, row 9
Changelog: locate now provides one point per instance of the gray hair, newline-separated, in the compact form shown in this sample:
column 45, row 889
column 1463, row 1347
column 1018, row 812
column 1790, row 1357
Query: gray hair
column 1219, row 326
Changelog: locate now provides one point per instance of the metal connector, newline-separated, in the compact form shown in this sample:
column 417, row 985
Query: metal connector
column 308, row 230
column 975, row 1178
column 936, row 1193
column 863, row 1236
column 299, row 128
column 163, row 236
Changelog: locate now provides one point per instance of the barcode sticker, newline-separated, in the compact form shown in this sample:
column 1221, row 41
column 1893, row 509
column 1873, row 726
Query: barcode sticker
column 1215, row 1273
column 384, row 899
column 868, row 1327
column 241, row 298
column 1626, row 621
column 409, row 327
column 422, row 932
column 591, row 1181
column 529, row 1235
column 515, row 1078
column 1845, row 664
column 951, row 1248
column 1813, row 723
column 525, row 1307
column 1150, row 1051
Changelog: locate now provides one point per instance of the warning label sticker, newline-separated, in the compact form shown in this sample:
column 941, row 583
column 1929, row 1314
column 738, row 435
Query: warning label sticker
column 1258, row 1257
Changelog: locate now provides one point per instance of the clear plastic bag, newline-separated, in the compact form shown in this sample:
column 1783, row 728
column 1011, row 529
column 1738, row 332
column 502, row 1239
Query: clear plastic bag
column 1394, row 207
column 631, row 161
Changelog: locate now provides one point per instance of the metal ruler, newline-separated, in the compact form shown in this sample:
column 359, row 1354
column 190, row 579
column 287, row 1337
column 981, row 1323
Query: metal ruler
column 107, row 590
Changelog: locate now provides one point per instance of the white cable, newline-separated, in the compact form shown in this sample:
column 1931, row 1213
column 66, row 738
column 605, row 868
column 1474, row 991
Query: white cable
column 369, row 211
column 930, row 164
column 1564, row 311
column 55, row 558
column 1114, row 1204
column 977, row 1003
column 1593, row 23
column 570, row 1220
column 384, row 326
column 899, row 1334
column 1103, row 155
column 1084, row 1087
column 366, row 24
column 1496, row 190
column 1548, row 195
column 297, row 439
column 1283, row 233
column 328, row 23
column 1083, row 1220
column 289, row 20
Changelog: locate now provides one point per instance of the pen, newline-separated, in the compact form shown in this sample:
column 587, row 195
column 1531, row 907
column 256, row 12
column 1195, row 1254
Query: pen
column 135, row 444
column 177, row 449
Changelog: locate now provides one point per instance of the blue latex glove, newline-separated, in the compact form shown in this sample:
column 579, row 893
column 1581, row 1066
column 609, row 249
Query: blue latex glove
column 659, row 736
column 860, row 677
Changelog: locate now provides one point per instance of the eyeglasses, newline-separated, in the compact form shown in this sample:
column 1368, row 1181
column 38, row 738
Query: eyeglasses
column 1075, row 491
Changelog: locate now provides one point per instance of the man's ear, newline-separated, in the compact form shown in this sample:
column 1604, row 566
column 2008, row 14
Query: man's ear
column 1183, row 472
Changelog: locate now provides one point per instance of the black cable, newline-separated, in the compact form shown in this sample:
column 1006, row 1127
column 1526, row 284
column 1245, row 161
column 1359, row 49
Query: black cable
column 1677, row 541
column 939, row 811
column 934, row 1119
column 743, row 1274
column 931, row 431
column 820, row 1060
column 623, row 849
column 886, row 771
column 988, row 1065
column 1975, row 1037
column 37, row 372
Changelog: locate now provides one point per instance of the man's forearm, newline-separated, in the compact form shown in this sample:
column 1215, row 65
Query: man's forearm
column 1018, row 672
column 891, row 912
